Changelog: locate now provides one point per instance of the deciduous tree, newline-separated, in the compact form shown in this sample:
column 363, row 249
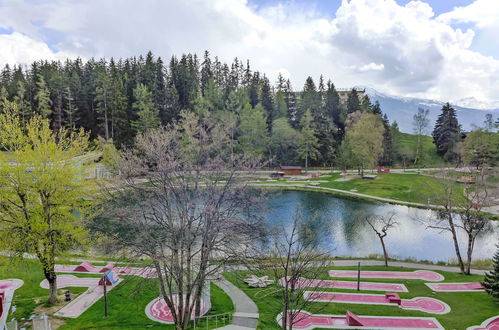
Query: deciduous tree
column 40, row 191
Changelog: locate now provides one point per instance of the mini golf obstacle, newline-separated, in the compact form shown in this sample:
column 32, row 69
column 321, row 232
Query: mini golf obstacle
column 305, row 320
column 489, row 324
column 423, row 304
column 95, row 291
column 7, row 288
column 87, row 267
column 426, row 275
column 157, row 310
column 368, row 286
column 456, row 287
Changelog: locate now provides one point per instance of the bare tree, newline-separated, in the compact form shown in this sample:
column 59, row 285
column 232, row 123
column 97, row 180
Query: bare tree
column 381, row 225
column 299, row 263
column 420, row 124
column 460, row 211
column 180, row 203
column 472, row 220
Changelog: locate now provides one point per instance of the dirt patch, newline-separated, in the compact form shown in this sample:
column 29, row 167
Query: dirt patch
column 346, row 178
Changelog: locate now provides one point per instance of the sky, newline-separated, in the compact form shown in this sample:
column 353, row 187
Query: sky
column 446, row 50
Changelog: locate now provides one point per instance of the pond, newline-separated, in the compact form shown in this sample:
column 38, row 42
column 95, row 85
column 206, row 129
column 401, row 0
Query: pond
column 340, row 227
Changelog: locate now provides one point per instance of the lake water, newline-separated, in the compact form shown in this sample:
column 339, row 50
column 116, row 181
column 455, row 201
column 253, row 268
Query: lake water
column 340, row 228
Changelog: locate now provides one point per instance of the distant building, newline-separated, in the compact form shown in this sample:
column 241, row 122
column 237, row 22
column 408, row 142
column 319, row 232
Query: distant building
column 291, row 170
column 343, row 94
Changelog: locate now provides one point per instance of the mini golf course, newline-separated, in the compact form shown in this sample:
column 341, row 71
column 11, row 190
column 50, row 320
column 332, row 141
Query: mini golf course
column 368, row 286
column 157, row 310
column 426, row 275
column 94, row 292
column 456, row 287
column 88, row 268
column 7, row 288
column 489, row 324
column 423, row 304
column 305, row 320
column 407, row 300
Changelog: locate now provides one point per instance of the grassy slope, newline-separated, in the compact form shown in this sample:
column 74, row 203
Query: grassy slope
column 407, row 143
column 467, row 308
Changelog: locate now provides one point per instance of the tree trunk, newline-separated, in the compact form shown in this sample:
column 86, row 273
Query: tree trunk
column 417, row 150
column 385, row 254
column 456, row 245
column 471, row 243
column 52, row 279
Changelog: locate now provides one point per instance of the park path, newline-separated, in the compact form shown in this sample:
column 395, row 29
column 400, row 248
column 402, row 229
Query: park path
column 246, row 314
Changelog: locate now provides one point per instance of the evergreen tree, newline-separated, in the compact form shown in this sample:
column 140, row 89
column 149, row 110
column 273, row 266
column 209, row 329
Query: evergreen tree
column 267, row 101
column 42, row 98
column 491, row 280
column 206, row 72
column 148, row 116
column 22, row 103
column 388, row 153
column 102, row 97
column 253, row 134
column 353, row 103
column 308, row 148
column 446, row 133
column 290, row 98
column 309, row 99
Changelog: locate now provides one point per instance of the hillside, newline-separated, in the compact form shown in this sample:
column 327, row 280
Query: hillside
column 405, row 145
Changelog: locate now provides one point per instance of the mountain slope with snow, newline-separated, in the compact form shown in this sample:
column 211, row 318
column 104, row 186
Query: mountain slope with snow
column 402, row 109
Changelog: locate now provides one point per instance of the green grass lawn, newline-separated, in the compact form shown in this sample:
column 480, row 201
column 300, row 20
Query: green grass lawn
column 405, row 187
column 411, row 187
column 467, row 308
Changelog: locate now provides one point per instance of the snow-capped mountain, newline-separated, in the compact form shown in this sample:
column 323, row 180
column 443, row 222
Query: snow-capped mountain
column 401, row 109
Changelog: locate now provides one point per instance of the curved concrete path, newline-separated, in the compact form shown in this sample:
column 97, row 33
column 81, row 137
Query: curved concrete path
column 246, row 315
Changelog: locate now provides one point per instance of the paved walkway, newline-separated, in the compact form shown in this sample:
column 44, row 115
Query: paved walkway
column 246, row 315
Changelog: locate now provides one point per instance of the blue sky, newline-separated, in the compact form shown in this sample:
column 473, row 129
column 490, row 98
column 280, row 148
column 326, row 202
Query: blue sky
column 329, row 7
column 446, row 50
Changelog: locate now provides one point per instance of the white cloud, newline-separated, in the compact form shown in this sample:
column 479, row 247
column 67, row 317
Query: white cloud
column 17, row 48
column 371, row 67
column 397, row 49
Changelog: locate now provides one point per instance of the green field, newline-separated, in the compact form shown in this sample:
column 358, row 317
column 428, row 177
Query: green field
column 467, row 308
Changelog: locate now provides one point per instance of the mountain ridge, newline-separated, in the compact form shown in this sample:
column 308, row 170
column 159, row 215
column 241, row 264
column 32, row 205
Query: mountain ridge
column 402, row 109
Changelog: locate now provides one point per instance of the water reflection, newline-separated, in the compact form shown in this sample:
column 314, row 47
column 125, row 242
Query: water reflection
column 339, row 225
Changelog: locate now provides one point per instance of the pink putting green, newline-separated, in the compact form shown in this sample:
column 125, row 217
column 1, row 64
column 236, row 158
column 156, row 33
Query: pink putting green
column 81, row 303
column 423, row 304
column 369, row 286
column 489, row 324
column 87, row 267
column 305, row 320
column 7, row 288
column 157, row 310
column 456, row 287
column 426, row 275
